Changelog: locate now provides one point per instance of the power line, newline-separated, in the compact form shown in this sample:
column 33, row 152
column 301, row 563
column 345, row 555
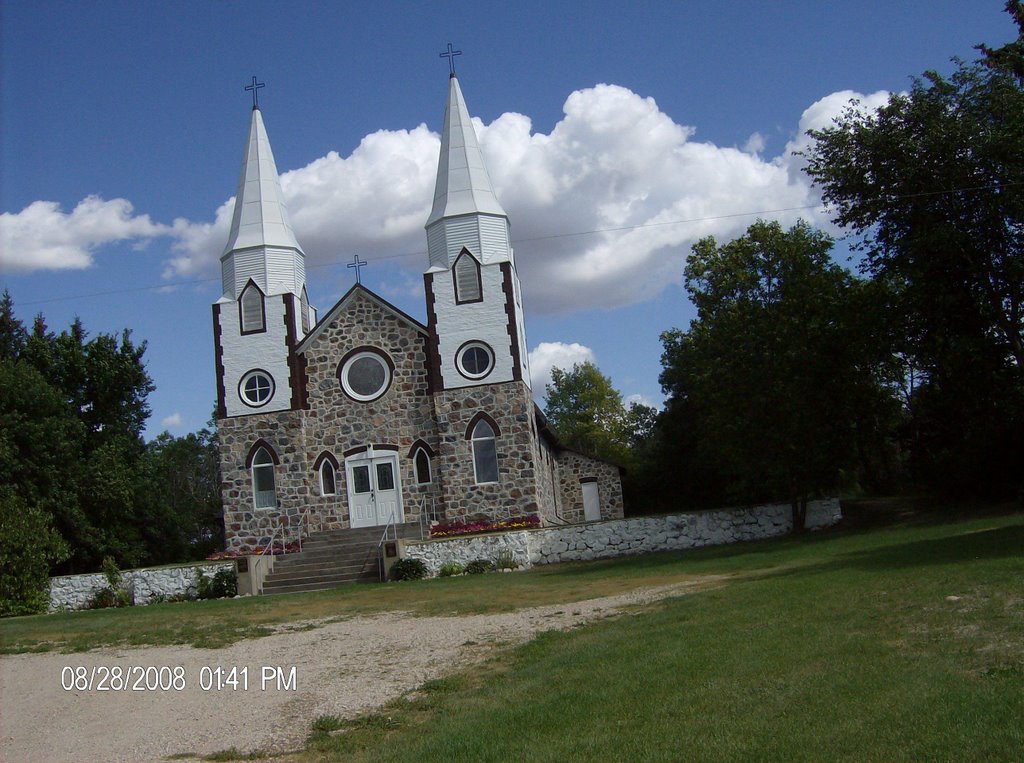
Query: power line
column 617, row 229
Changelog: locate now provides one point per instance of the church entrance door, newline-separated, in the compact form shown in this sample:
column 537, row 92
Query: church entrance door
column 374, row 489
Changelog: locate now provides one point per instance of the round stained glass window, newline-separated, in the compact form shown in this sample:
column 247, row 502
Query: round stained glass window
column 256, row 388
column 474, row 360
column 365, row 376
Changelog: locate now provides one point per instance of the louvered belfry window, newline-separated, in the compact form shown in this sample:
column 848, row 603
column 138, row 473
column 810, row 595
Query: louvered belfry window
column 467, row 279
column 253, row 318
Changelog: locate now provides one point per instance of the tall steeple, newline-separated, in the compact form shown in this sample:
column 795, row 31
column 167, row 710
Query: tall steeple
column 474, row 302
column 463, row 186
column 465, row 213
column 261, row 245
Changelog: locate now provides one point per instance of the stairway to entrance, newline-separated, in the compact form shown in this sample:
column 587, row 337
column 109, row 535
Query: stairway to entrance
column 333, row 558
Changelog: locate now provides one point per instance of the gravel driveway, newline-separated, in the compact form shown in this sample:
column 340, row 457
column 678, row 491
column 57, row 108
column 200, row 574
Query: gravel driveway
column 49, row 714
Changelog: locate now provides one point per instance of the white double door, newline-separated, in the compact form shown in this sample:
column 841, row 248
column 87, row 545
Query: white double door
column 374, row 489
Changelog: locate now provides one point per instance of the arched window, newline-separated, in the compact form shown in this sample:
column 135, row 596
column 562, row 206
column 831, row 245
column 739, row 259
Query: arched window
column 485, row 453
column 422, row 463
column 252, row 317
column 328, row 480
column 263, row 479
column 304, row 309
column 467, row 279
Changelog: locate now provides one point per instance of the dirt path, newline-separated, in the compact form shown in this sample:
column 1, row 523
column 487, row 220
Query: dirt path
column 342, row 668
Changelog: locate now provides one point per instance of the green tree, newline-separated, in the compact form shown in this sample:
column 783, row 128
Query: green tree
column 932, row 185
column 29, row 546
column 72, row 411
column 763, row 383
column 178, row 497
column 587, row 412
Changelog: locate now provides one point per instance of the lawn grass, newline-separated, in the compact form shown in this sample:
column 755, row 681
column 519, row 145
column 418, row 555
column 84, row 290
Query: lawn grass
column 898, row 644
column 211, row 624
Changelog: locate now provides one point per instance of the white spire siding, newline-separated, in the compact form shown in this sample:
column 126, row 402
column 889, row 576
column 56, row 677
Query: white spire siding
column 463, row 185
column 466, row 213
column 261, row 245
column 260, row 217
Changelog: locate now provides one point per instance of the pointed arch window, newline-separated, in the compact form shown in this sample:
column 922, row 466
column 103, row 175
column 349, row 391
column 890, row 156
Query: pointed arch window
column 326, row 466
column 483, row 439
column 304, row 309
column 252, row 314
column 466, row 274
column 328, row 480
column 422, row 463
column 264, row 486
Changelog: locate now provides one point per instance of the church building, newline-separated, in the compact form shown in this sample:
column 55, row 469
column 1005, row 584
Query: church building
column 365, row 416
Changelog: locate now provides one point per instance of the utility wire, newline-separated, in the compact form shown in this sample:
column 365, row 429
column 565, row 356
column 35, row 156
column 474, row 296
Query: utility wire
column 422, row 252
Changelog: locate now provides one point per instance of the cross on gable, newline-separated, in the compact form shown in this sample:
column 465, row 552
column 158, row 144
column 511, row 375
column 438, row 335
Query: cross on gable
column 450, row 55
column 255, row 88
column 356, row 263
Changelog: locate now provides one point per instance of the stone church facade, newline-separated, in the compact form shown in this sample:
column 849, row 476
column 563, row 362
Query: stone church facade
column 367, row 416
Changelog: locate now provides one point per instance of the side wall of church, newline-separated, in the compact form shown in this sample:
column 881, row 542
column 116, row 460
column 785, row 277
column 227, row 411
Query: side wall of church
column 245, row 526
column 398, row 419
column 547, row 480
column 516, row 492
column 574, row 469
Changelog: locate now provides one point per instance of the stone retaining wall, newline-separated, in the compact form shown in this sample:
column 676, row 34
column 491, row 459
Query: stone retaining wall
column 622, row 537
column 76, row 591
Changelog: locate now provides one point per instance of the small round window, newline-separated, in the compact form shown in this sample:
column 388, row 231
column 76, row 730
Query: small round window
column 474, row 360
column 366, row 375
column 256, row 388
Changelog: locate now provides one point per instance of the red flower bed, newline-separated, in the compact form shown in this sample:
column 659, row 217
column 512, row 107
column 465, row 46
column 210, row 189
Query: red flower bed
column 453, row 529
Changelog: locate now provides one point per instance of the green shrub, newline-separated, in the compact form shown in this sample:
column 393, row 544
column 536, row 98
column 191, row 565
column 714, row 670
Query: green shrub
column 448, row 569
column 408, row 569
column 222, row 584
column 116, row 593
column 506, row 561
column 28, row 546
column 478, row 566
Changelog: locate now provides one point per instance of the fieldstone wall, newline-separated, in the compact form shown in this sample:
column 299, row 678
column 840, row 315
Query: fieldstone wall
column 76, row 591
column 574, row 469
column 510, row 406
column 247, row 528
column 623, row 537
column 400, row 418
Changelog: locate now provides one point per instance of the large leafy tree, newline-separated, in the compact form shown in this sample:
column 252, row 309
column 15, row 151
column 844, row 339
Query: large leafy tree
column 587, row 411
column 932, row 186
column 179, row 497
column 72, row 411
column 763, row 386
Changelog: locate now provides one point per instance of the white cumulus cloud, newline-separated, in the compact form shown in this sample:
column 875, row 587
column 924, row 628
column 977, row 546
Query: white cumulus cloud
column 44, row 237
column 548, row 355
column 604, row 208
column 174, row 420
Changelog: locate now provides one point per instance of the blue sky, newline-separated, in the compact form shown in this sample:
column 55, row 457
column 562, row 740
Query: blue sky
column 616, row 135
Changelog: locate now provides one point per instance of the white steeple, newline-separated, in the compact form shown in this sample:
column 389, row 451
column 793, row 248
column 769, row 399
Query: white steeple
column 473, row 292
column 463, row 186
column 261, row 245
column 466, row 213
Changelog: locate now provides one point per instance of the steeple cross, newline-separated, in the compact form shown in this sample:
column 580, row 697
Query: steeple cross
column 356, row 263
column 255, row 88
column 450, row 55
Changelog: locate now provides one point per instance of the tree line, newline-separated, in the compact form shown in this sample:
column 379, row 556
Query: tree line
column 799, row 377
column 78, row 484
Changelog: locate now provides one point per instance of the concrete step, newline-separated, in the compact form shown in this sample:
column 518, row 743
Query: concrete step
column 332, row 558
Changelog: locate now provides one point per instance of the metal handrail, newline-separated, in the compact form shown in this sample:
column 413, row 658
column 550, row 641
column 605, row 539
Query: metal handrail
column 271, row 544
column 304, row 520
column 380, row 545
